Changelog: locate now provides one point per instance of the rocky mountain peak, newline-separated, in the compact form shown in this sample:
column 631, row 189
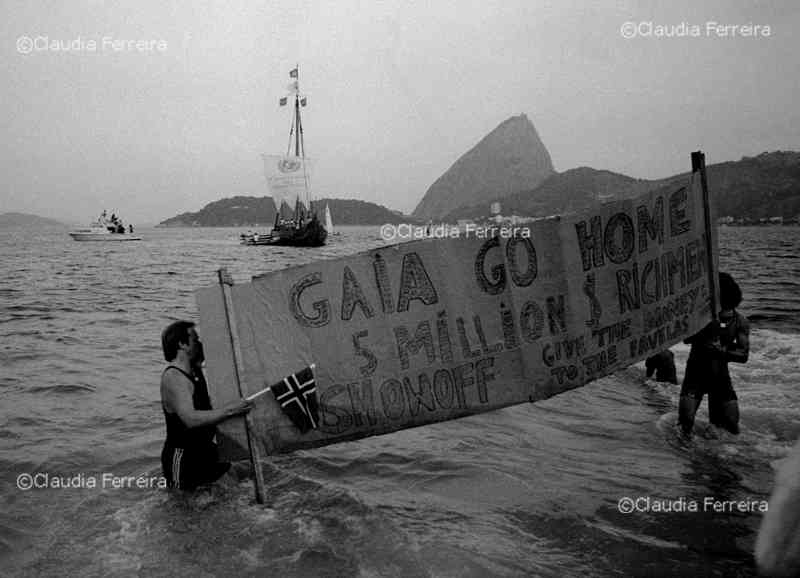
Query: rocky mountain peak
column 510, row 159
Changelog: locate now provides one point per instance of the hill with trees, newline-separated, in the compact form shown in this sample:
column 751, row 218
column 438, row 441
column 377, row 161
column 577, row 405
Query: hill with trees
column 243, row 211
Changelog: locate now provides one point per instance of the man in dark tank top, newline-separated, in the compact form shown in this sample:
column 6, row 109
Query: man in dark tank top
column 189, row 458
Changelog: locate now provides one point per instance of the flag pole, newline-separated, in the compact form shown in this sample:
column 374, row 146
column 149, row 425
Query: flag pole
column 699, row 165
column 226, row 281
column 258, row 394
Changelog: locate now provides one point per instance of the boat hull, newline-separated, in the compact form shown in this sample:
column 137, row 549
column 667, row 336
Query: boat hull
column 103, row 237
column 310, row 234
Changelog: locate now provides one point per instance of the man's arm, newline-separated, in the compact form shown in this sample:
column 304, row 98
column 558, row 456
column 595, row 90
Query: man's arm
column 178, row 396
column 777, row 544
column 741, row 351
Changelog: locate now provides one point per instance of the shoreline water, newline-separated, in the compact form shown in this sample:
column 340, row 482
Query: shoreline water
column 530, row 489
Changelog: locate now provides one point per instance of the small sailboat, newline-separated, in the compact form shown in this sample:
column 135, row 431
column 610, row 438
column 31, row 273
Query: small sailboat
column 288, row 180
column 329, row 221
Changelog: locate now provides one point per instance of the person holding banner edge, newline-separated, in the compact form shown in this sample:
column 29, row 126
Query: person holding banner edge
column 720, row 342
column 189, row 457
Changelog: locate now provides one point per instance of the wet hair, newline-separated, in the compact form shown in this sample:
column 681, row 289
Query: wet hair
column 663, row 365
column 730, row 295
column 172, row 336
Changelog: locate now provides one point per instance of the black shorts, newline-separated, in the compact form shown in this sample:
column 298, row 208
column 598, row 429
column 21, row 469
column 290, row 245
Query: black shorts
column 719, row 391
column 185, row 469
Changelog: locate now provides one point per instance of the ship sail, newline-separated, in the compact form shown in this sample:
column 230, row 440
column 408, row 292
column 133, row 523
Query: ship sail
column 287, row 177
column 285, row 212
column 328, row 220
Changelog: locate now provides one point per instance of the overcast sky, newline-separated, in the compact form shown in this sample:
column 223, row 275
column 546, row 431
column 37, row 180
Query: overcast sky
column 397, row 91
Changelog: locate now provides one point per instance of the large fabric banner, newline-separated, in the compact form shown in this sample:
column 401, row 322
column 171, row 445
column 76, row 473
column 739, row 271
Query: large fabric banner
column 288, row 177
column 437, row 329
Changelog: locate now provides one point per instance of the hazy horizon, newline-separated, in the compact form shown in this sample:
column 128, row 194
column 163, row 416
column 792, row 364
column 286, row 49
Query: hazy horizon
column 396, row 94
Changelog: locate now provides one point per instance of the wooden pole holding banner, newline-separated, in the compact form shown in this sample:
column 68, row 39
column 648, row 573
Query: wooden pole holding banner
column 699, row 164
column 225, row 282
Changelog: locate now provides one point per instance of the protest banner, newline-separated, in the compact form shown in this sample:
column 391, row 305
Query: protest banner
column 437, row 329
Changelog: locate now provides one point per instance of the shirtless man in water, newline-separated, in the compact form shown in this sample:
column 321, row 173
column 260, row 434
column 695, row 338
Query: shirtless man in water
column 189, row 457
column 720, row 342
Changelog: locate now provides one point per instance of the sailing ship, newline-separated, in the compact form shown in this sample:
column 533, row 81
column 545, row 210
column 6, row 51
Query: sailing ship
column 288, row 179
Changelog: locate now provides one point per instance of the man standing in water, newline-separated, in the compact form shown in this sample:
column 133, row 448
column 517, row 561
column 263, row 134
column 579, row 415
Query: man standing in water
column 707, row 368
column 189, row 457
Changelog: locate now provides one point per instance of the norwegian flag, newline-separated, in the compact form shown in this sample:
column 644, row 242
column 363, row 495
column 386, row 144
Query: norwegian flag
column 297, row 396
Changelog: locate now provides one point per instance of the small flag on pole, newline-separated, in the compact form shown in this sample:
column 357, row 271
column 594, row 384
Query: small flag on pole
column 293, row 73
column 303, row 101
column 297, row 396
column 283, row 101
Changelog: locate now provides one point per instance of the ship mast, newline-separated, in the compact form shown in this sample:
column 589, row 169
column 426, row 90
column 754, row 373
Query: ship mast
column 299, row 149
column 297, row 130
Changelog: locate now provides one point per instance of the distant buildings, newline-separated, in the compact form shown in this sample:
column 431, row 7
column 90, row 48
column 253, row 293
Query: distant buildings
column 747, row 221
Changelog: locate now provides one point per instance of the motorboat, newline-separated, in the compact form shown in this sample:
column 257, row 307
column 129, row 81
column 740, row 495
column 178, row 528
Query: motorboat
column 105, row 229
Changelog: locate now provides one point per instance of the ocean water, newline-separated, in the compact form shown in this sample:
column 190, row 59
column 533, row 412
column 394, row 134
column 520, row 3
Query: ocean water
column 532, row 490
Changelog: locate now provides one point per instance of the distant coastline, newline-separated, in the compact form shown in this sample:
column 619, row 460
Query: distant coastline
column 9, row 220
column 758, row 190
column 242, row 211
column 764, row 189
